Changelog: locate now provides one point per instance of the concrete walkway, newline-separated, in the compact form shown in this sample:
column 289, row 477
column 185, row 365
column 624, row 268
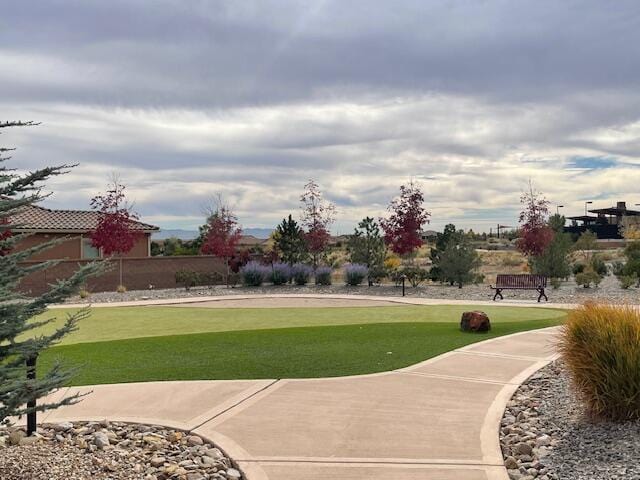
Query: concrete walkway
column 437, row 420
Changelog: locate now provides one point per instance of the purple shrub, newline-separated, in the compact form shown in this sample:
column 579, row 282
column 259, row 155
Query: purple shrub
column 323, row 275
column 253, row 274
column 280, row 273
column 355, row 273
column 301, row 273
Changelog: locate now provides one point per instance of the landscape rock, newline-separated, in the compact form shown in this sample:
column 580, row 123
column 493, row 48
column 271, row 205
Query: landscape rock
column 475, row 321
column 110, row 451
column 545, row 435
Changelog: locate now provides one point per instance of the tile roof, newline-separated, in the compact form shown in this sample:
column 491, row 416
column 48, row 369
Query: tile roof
column 33, row 218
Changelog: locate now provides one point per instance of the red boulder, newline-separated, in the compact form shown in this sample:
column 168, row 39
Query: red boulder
column 475, row 322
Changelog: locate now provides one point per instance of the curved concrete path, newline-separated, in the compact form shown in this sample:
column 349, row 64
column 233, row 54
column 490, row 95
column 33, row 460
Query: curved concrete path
column 437, row 420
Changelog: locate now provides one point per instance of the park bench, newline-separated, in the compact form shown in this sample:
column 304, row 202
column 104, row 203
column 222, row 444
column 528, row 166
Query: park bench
column 520, row 282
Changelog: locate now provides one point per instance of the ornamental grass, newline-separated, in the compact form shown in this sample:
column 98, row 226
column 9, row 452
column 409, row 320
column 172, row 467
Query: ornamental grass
column 600, row 344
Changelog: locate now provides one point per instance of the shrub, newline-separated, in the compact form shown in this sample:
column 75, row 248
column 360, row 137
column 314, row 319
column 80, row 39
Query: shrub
column 627, row 281
column 618, row 269
column 415, row 275
column 578, row 268
column 598, row 266
column 280, row 273
column 301, row 273
column 396, row 277
column 323, row 275
column 376, row 274
column 253, row 274
column 121, row 289
column 600, row 345
column 186, row 278
column 84, row 293
column 355, row 273
column 588, row 277
column 392, row 262
column 555, row 283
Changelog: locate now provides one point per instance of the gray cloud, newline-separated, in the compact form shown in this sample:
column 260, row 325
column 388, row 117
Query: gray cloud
column 250, row 99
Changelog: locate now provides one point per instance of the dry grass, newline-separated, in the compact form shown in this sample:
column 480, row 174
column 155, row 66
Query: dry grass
column 500, row 261
column 600, row 345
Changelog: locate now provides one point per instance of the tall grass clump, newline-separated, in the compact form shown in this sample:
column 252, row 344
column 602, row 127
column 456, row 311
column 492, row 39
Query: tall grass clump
column 280, row 273
column 600, row 345
column 253, row 274
column 355, row 273
column 301, row 273
column 323, row 275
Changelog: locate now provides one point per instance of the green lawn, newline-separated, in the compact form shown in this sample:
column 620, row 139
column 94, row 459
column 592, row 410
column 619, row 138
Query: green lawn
column 169, row 343
column 117, row 323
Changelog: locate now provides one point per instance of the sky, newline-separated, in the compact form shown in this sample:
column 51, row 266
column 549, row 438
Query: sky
column 187, row 100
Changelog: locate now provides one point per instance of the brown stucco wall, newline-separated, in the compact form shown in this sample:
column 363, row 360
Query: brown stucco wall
column 71, row 248
column 138, row 273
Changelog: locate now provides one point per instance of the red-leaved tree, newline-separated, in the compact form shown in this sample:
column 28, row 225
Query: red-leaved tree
column 535, row 232
column 222, row 236
column 5, row 233
column 317, row 217
column 114, row 235
column 402, row 230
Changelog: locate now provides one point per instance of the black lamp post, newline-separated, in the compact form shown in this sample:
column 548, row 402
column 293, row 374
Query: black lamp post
column 31, row 404
column 585, row 207
column 403, row 278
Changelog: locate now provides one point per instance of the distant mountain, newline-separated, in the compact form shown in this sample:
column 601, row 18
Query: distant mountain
column 262, row 233
column 174, row 233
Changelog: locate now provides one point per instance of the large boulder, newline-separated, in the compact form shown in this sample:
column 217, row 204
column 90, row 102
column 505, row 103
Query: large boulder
column 475, row 321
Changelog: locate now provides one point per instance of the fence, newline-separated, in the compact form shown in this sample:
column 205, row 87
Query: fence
column 137, row 273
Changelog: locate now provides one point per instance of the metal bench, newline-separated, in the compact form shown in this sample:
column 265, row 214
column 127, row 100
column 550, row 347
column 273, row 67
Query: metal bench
column 520, row 282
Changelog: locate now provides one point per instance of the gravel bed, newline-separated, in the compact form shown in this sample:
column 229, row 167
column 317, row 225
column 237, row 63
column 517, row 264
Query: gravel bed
column 111, row 450
column 567, row 293
column 545, row 436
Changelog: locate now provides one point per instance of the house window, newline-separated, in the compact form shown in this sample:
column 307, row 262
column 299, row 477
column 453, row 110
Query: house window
column 88, row 250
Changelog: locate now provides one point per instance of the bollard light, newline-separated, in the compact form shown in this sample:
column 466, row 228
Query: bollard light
column 31, row 404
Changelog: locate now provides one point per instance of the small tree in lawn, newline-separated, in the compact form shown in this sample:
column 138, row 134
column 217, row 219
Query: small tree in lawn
column 19, row 346
column 289, row 241
column 114, row 234
column 535, row 232
column 222, row 237
column 317, row 217
column 366, row 247
column 402, row 230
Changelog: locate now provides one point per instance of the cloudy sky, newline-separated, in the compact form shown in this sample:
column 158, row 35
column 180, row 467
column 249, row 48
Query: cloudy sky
column 249, row 99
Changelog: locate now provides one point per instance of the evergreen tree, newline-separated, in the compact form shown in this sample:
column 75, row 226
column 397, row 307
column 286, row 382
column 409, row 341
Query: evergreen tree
column 449, row 234
column 553, row 262
column 459, row 261
column 366, row 246
column 289, row 241
column 19, row 387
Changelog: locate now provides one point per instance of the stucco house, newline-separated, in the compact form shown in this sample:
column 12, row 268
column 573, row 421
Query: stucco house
column 75, row 226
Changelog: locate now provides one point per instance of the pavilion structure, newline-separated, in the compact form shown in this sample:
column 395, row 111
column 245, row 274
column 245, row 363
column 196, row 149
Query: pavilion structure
column 604, row 222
